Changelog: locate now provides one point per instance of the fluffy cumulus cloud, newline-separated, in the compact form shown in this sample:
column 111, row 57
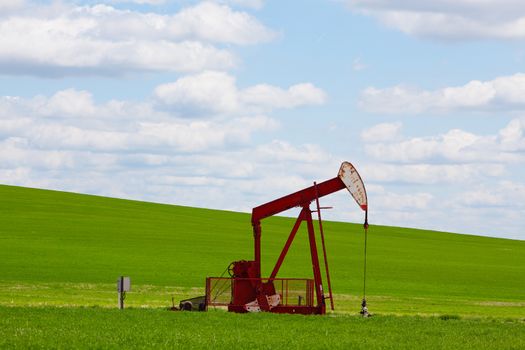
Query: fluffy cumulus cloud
column 490, row 210
column 229, row 160
column 382, row 132
column 449, row 20
column 10, row 5
column 255, row 4
column 141, row 2
column 62, row 39
column 505, row 194
column 201, row 140
column 421, row 180
column 144, row 150
column 502, row 93
column 432, row 174
column 455, row 146
column 500, row 205
column 217, row 92
column 70, row 119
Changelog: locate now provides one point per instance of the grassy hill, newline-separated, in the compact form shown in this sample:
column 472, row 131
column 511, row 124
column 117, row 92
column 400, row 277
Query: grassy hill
column 66, row 248
column 60, row 254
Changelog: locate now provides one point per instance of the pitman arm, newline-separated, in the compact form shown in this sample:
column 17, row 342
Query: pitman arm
column 297, row 199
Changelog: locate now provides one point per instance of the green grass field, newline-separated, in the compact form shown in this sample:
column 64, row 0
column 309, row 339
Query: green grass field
column 153, row 328
column 61, row 253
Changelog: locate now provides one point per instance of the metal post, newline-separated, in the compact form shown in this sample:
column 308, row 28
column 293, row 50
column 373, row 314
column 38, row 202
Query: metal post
column 324, row 249
column 315, row 261
column 121, row 292
column 208, row 292
column 257, row 246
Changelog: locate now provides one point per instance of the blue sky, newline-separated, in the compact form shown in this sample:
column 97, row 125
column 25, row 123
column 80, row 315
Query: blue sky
column 229, row 104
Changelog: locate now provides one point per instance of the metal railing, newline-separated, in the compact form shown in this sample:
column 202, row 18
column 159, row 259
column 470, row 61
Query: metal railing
column 292, row 291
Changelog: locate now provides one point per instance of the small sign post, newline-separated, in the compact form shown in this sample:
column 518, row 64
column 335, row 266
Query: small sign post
column 123, row 286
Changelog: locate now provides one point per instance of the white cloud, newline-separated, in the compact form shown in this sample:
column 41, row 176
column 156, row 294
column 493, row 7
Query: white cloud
column 133, row 150
column 456, row 181
column 511, row 136
column 450, row 146
column 282, row 151
column 269, row 97
column 453, row 158
column 62, row 39
column 217, row 92
column 218, row 23
column 507, row 92
column 500, row 205
column 6, row 6
column 69, row 102
column 71, row 121
column 430, row 174
column 382, row 132
column 140, row 2
column 255, row 4
column 501, row 194
column 205, row 92
column 454, row 146
column 399, row 202
column 446, row 19
column 67, row 129
column 238, row 178
column 475, row 206
column 68, row 141
column 482, row 198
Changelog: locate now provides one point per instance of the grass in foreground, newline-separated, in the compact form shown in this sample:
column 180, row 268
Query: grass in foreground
column 22, row 328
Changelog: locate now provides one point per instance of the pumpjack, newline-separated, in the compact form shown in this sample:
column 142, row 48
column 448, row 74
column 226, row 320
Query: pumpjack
column 247, row 291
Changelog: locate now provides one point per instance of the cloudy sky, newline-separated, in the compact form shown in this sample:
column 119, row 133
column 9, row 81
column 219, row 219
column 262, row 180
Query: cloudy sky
column 229, row 104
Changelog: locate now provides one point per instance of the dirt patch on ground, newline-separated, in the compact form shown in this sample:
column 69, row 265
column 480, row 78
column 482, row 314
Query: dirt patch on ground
column 501, row 303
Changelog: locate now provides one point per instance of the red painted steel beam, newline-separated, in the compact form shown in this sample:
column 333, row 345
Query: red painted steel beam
column 324, row 252
column 257, row 248
column 289, row 241
column 315, row 260
column 299, row 198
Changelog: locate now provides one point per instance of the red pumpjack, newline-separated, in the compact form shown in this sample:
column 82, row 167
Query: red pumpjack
column 247, row 291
